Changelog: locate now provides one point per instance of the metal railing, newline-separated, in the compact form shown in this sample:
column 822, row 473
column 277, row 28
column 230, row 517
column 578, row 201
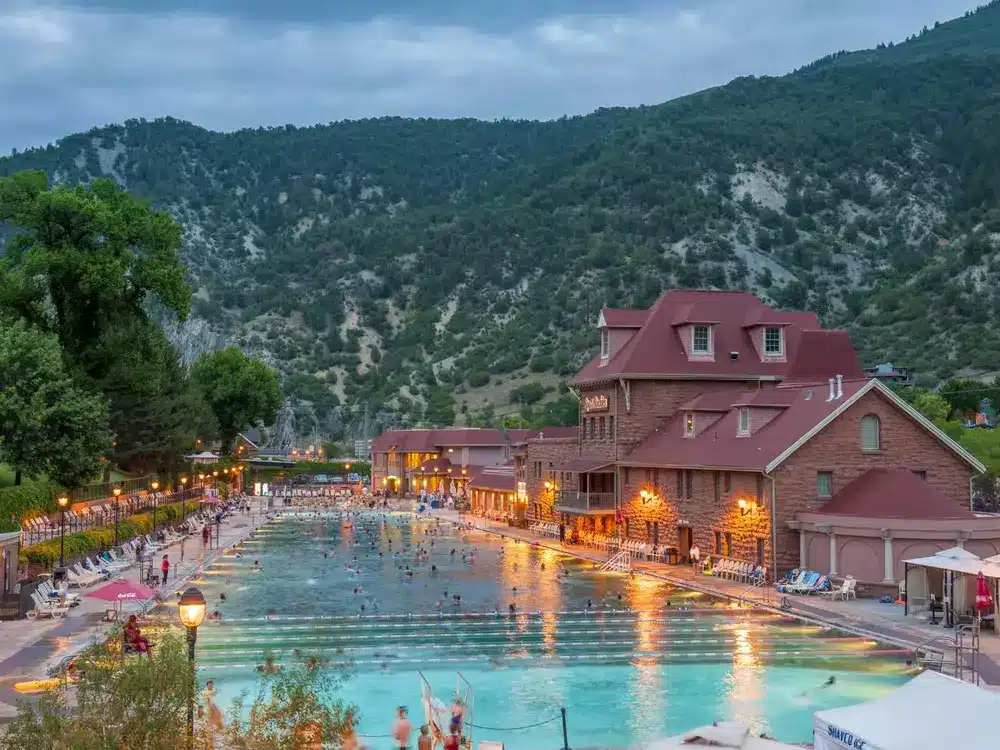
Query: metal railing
column 575, row 500
column 48, row 527
column 100, row 490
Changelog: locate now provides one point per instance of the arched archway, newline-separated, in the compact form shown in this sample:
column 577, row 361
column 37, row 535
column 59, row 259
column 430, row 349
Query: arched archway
column 861, row 558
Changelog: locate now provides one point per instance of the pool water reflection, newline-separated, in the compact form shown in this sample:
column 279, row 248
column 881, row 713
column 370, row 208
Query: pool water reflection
column 629, row 657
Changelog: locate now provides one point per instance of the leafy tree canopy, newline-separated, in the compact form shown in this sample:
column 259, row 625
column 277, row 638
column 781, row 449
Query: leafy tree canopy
column 241, row 391
column 48, row 424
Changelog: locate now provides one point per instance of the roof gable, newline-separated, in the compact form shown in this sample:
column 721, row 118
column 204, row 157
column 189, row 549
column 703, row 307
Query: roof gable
column 877, row 385
column 794, row 415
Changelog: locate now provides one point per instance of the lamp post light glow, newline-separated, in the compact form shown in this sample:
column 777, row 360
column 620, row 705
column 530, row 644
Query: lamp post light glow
column 184, row 502
column 191, row 611
column 154, row 485
column 63, row 502
column 117, row 492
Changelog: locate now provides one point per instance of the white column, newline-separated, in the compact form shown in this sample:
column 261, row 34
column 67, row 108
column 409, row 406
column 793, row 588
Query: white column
column 803, row 549
column 833, row 554
column 887, row 553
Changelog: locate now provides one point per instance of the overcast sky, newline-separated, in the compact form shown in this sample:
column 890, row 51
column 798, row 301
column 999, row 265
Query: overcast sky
column 67, row 65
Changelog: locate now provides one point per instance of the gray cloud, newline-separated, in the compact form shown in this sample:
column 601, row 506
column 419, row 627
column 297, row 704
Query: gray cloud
column 64, row 68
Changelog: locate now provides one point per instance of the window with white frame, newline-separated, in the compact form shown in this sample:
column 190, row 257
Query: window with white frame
column 774, row 345
column 605, row 343
column 689, row 425
column 824, row 484
column 744, row 426
column 701, row 339
column 871, row 433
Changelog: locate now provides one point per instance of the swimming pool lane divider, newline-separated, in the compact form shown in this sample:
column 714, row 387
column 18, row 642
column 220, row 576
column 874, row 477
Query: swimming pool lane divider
column 505, row 644
column 345, row 632
column 592, row 613
column 662, row 656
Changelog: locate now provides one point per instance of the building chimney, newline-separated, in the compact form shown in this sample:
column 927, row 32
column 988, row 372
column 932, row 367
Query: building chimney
column 840, row 386
column 833, row 392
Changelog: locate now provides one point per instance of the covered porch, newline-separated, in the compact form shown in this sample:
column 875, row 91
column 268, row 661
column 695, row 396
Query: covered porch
column 591, row 490
column 438, row 476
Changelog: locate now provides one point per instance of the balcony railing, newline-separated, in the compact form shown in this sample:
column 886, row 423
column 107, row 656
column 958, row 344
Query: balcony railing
column 572, row 500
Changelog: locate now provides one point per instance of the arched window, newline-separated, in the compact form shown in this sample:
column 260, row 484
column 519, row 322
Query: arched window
column 871, row 433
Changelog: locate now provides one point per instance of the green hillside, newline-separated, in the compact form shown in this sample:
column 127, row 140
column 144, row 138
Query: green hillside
column 396, row 263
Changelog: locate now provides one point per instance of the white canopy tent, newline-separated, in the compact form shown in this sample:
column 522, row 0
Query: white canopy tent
column 930, row 712
column 730, row 734
column 956, row 570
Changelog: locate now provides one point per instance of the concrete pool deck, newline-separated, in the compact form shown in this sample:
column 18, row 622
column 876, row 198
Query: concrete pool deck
column 31, row 649
column 862, row 616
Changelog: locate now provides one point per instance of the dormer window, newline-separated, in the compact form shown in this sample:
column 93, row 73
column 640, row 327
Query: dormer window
column 605, row 343
column 774, row 341
column 701, row 339
column 744, row 425
column 689, row 425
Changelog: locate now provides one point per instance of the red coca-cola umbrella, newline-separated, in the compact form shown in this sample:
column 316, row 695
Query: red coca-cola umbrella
column 122, row 590
column 984, row 599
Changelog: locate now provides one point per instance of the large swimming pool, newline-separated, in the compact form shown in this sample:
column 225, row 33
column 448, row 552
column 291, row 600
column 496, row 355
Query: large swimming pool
column 629, row 658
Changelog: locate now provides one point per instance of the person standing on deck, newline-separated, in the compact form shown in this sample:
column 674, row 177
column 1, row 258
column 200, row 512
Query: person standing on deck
column 165, row 567
column 402, row 730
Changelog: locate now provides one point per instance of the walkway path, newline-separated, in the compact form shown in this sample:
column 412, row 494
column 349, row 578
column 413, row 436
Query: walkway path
column 866, row 617
column 31, row 649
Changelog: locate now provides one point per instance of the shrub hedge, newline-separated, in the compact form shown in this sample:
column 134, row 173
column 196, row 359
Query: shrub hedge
column 27, row 500
column 101, row 537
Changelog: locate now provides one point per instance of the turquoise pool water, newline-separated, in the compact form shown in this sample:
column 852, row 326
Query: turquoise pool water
column 631, row 659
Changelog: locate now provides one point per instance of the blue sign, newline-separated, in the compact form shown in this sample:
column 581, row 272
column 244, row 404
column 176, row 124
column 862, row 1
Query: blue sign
column 846, row 738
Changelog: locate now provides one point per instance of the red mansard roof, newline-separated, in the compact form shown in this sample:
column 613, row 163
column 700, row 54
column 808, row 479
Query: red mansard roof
column 656, row 350
column 719, row 447
column 802, row 411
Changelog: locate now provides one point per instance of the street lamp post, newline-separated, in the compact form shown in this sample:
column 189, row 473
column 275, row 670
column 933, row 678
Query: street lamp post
column 154, row 485
column 117, row 492
column 191, row 611
column 184, row 501
column 63, row 502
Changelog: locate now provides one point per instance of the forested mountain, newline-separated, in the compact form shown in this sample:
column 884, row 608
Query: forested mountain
column 395, row 262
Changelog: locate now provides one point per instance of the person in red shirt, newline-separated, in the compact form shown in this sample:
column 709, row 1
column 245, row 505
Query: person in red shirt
column 165, row 567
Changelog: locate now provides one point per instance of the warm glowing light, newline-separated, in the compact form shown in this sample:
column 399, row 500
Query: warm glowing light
column 347, row 467
column 215, row 473
column 644, row 495
column 184, row 480
column 191, row 608
column 63, row 501
column 116, row 491
column 154, row 485
column 548, row 485
column 742, row 503
column 201, row 476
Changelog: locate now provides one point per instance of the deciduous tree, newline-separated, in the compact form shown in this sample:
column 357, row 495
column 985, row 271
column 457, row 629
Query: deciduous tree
column 48, row 424
column 242, row 391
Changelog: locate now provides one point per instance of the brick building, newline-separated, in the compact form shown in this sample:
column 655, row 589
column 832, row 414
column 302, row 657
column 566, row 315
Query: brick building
column 404, row 462
column 711, row 418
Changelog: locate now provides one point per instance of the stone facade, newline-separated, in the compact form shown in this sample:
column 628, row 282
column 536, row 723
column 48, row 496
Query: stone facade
column 540, row 457
column 904, row 444
column 710, row 509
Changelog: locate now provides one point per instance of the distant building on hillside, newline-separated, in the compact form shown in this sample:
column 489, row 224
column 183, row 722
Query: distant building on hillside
column 363, row 449
column 890, row 374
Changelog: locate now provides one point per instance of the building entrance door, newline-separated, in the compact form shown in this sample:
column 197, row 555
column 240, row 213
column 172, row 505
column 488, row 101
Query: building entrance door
column 684, row 543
